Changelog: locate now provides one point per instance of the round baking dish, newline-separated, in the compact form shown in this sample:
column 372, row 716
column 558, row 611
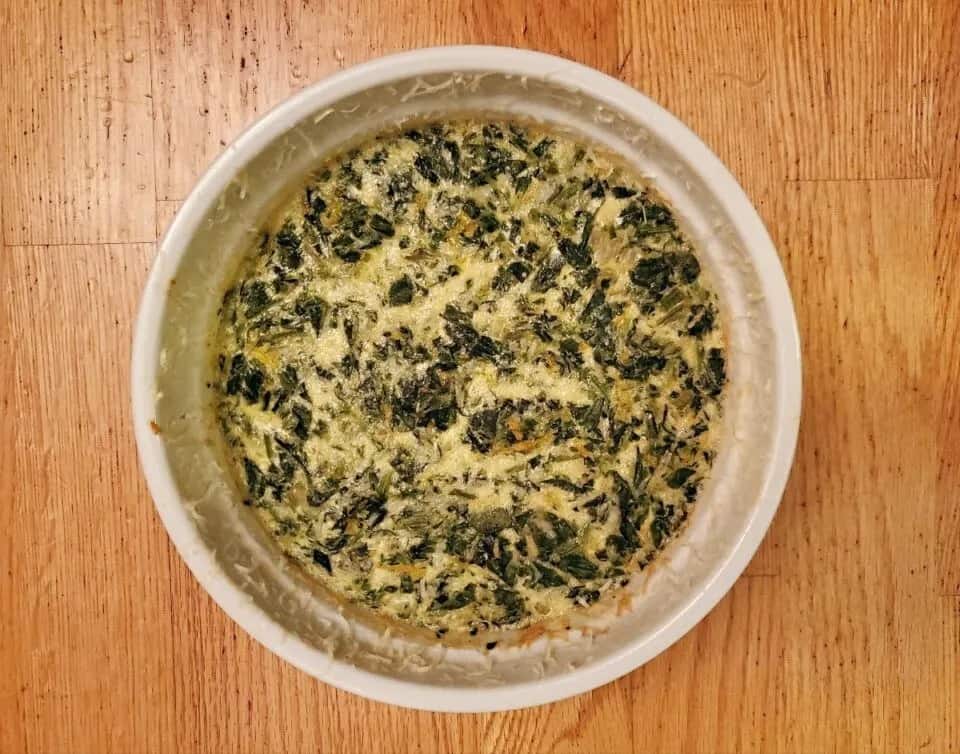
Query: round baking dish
column 231, row 557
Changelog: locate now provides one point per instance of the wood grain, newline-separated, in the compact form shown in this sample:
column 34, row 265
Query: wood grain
column 840, row 119
column 852, row 88
column 945, row 348
column 858, row 525
column 950, row 641
column 77, row 143
column 86, row 568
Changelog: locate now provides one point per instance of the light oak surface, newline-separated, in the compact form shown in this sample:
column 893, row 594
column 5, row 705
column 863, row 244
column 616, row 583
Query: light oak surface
column 841, row 120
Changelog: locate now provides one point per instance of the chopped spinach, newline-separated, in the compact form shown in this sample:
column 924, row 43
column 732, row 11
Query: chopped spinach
column 246, row 378
column 679, row 477
column 482, row 429
column 509, row 275
column 512, row 603
column 465, row 337
column 642, row 365
column 578, row 565
column 456, row 601
column 321, row 559
column 314, row 309
column 547, row 273
column 716, row 373
column 382, row 225
column 288, row 247
column 401, row 291
column 653, row 275
column 255, row 298
column 424, row 401
column 256, row 484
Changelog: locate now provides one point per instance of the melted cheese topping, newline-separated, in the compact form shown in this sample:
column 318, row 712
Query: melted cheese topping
column 471, row 375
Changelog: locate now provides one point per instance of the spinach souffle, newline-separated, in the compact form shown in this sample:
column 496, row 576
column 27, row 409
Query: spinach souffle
column 471, row 377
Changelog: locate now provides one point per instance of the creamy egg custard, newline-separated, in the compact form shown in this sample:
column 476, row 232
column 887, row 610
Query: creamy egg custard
column 471, row 377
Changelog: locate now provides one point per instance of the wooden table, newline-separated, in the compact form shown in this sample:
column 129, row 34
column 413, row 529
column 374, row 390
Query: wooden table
column 840, row 120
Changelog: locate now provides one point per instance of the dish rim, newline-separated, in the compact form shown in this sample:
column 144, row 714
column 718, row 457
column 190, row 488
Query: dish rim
column 146, row 350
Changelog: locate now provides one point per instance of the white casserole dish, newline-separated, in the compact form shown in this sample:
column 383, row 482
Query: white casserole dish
column 228, row 553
